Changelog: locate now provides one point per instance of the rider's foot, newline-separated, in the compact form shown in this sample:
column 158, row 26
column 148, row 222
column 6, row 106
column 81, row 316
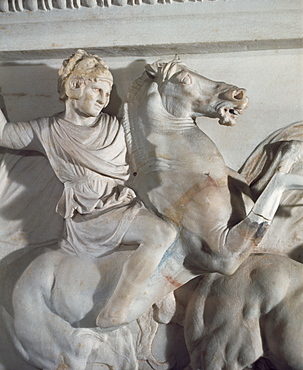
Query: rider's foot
column 111, row 319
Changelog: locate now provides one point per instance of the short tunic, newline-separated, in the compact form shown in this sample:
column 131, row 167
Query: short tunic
column 90, row 161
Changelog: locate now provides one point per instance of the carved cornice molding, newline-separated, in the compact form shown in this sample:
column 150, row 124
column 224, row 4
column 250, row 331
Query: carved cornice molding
column 38, row 29
column 48, row 5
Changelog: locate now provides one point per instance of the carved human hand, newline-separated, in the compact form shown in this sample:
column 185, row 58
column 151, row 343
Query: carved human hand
column 127, row 194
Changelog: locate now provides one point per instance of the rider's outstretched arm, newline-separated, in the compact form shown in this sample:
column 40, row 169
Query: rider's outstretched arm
column 21, row 135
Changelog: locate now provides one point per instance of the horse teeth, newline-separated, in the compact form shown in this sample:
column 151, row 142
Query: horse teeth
column 232, row 111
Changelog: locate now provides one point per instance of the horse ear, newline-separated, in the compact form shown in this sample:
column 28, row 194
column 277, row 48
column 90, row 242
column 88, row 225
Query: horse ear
column 152, row 69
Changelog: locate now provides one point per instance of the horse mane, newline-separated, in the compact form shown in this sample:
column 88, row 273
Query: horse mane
column 135, row 150
column 156, row 71
column 136, row 86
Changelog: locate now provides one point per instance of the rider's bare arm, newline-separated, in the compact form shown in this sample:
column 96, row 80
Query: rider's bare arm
column 18, row 135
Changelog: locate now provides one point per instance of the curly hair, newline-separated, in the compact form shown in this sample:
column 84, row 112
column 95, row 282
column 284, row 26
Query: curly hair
column 81, row 65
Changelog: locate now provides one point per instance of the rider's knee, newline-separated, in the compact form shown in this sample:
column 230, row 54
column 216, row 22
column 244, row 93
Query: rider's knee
column 165, row 234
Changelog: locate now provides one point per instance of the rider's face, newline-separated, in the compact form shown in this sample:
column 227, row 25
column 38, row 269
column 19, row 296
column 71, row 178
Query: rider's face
column 95, row 96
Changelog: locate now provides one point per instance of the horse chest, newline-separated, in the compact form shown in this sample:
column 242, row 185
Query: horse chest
column 201, row 201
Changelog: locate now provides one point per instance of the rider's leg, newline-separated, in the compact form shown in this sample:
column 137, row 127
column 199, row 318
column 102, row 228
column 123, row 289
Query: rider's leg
column 154, row 237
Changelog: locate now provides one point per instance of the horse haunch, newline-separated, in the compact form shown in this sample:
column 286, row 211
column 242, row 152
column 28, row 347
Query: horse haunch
column 251, row 314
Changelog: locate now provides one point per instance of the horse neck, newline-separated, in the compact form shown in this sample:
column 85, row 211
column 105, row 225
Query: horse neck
column 145, row 116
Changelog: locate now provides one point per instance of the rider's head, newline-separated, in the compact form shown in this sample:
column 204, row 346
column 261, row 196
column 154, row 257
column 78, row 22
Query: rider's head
column 79, row 70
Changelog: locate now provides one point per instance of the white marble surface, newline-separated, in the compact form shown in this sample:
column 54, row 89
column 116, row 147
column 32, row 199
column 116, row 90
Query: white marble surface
column 273, row 79
column 188, row 186
column 146, row 29
column 256, row 45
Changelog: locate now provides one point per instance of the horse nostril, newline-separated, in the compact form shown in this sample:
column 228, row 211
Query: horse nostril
column 239, row 94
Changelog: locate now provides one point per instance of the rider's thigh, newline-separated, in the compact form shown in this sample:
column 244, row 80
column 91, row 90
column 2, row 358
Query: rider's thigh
column 148, row 228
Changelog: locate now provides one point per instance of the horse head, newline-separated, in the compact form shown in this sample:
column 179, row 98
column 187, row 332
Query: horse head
column 185, row 93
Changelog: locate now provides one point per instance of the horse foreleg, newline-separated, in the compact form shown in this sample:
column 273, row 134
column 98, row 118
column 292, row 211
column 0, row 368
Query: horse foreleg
column 238, row 242
column 288, row 154
column 270, row 199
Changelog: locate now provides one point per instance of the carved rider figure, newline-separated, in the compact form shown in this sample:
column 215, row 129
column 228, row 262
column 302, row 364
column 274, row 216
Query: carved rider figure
column 87, row 151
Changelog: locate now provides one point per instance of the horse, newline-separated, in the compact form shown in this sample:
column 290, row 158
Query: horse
column 232, row 321
column 281, row 150
column 181, row 175
column 50, row 299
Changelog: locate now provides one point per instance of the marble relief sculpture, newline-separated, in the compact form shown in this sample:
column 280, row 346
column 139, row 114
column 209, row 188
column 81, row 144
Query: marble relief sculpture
column 148, row 229
column 51, row 5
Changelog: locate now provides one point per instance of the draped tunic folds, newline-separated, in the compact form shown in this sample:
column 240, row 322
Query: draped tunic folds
column 91, row 163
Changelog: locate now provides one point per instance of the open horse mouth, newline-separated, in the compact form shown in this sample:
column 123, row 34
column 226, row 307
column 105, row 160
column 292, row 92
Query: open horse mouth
column 228, row 115
column 229, row 110
column 234, row 101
